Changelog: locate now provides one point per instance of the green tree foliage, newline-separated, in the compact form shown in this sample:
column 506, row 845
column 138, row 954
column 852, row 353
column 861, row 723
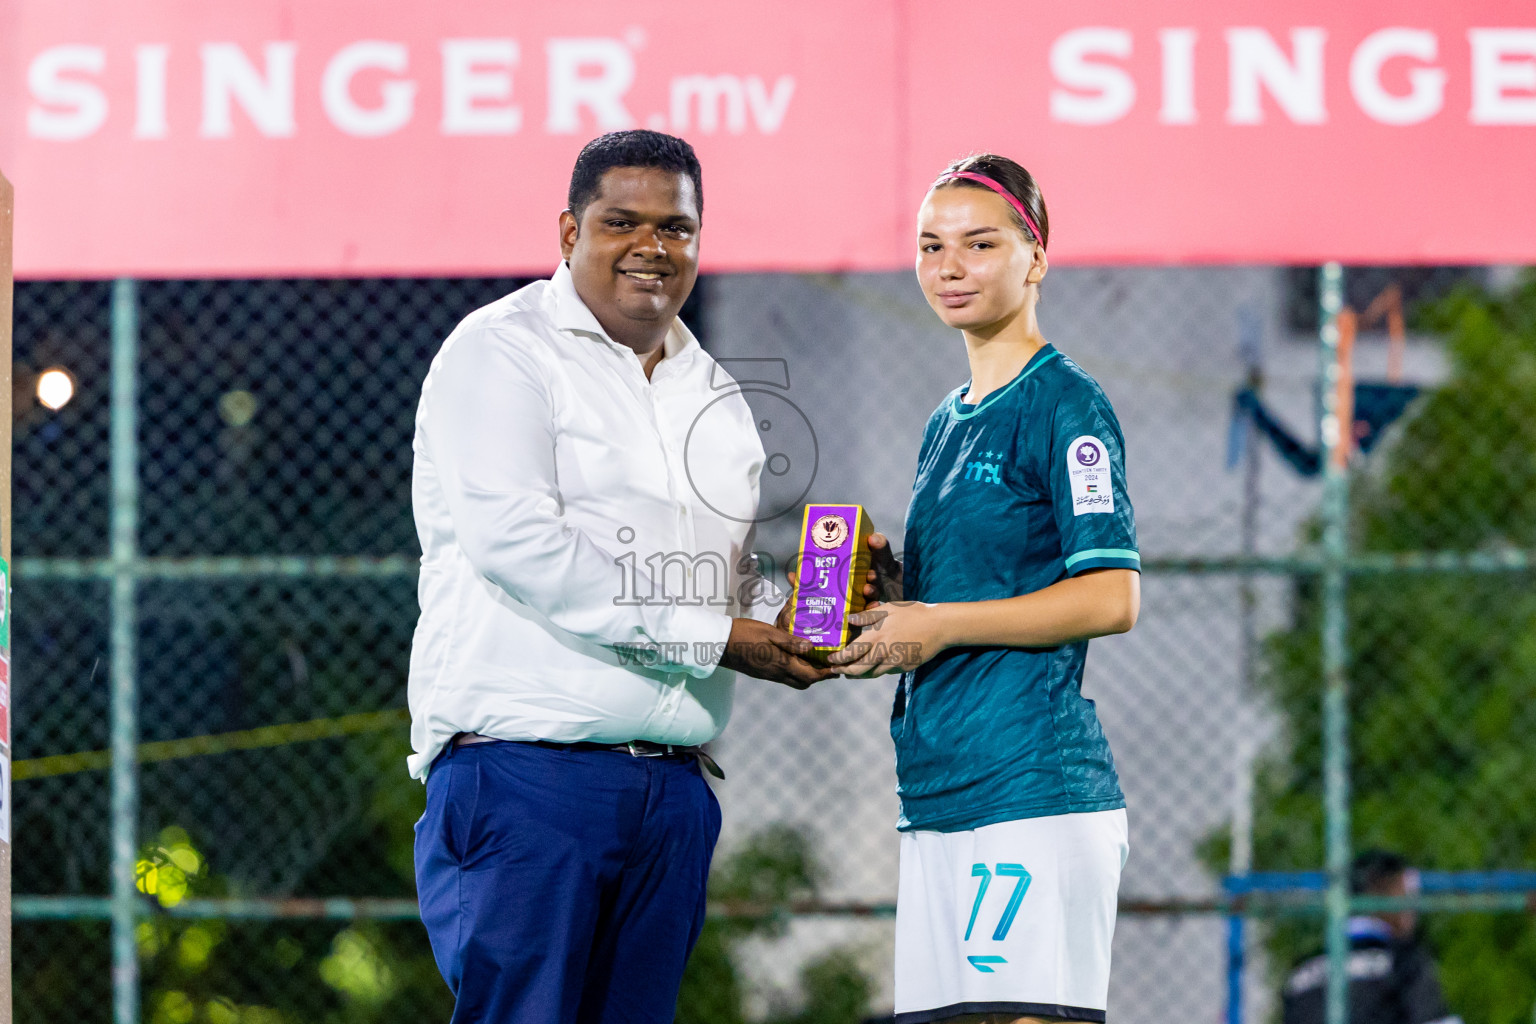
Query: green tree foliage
column 244, row 972
column 1442, row 666
column 773, row 869
column 329, row 972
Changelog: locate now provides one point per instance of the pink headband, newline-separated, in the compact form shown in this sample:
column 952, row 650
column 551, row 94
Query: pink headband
column 982, row 179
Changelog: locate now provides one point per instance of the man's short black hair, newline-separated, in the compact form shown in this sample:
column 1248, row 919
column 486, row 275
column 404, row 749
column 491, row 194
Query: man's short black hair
column 635, row 148
column 1373, row 869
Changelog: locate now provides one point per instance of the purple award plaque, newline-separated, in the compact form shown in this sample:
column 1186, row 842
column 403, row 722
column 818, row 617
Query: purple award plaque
column 834, row 556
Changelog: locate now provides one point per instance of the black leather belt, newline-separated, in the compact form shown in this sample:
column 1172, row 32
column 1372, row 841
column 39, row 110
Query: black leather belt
column 634, row 748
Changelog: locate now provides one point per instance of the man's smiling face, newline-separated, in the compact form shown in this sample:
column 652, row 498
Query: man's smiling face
column 634, row 255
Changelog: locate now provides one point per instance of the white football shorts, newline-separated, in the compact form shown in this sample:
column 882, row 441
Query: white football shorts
column 1015, row 917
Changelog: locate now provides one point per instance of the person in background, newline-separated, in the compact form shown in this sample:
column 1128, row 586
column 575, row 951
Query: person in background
column 1392, row 977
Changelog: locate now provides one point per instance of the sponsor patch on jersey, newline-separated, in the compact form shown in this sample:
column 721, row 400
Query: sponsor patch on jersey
column 1088, row 469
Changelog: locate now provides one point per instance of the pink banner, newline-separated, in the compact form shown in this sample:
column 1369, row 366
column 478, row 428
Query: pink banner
column 356, row 137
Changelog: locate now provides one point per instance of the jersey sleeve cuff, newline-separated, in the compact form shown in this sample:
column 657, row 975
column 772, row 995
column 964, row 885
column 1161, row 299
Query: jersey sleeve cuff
column 1103, row 558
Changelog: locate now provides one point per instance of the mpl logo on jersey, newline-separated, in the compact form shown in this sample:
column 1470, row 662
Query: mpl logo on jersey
column 988, row 469
column 1088, row 469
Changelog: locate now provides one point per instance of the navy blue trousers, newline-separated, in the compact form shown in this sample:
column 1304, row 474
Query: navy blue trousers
column 562, row 886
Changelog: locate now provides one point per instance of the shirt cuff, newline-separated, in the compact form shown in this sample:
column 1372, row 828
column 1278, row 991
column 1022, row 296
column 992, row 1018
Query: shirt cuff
column 1103, row 558
column 698, row 639
column 767, row 599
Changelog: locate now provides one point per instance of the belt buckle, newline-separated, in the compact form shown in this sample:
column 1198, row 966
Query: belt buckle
column 635, row 750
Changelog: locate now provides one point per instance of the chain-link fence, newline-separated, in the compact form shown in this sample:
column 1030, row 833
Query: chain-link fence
column 234, row 561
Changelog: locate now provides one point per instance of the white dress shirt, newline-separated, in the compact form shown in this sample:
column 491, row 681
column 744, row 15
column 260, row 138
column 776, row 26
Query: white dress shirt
column 551, row 483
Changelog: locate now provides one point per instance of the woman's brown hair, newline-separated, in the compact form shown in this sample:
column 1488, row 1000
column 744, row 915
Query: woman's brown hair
column 1011, row 176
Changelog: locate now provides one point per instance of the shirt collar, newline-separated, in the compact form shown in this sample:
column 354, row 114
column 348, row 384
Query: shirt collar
column 572, row 314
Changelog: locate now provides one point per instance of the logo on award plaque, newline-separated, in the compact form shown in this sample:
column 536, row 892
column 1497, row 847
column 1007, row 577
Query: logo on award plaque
column 830, row 532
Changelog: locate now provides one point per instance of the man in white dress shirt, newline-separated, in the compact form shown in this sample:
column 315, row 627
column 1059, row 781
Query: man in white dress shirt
column 583, row 612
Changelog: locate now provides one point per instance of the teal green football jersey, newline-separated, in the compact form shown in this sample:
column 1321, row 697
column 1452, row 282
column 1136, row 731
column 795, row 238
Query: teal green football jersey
column 1012, row 495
